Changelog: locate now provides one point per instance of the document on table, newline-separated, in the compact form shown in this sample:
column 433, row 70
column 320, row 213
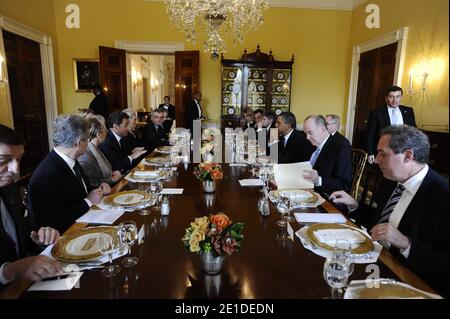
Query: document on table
column 101, row 216
column 326, row 218
column 67, row 283
column 290, row 176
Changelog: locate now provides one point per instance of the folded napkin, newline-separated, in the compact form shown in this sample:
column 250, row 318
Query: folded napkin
column 67, row 283
column 296, row 194
column 329, row 236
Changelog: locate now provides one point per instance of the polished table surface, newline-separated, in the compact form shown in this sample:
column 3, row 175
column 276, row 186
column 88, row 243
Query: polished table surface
column 265, row 267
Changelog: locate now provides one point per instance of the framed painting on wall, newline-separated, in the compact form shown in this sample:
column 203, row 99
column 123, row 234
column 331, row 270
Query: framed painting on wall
column 86, row 74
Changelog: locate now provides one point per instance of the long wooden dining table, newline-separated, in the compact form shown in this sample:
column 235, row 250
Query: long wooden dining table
column 267, row 265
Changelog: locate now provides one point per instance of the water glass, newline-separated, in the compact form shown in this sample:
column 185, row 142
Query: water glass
column 282, row 208
column 106, row 247
column 156, row 188
column 128, row 235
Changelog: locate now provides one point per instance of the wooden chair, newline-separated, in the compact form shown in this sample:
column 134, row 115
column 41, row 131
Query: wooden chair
column 359, row 159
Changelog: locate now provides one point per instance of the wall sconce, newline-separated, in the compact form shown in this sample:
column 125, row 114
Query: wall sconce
column 136, row 79
column 423, row 72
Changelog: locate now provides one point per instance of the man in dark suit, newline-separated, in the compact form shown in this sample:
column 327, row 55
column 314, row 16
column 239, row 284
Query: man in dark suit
column 154, row 134
column 293, row 146
column 331, row 161
column 411, row 219
column 391, row 114
column 194, row 111
column 100, row 103
column 114, row 147
column 333, row 122
column 170, row 109
column 59, row 191
column 17, row 241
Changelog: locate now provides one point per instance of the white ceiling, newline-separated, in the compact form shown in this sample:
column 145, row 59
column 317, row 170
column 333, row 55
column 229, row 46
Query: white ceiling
column 313, row 4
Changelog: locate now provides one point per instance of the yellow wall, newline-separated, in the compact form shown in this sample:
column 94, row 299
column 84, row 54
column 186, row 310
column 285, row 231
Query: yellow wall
column 318, row 39
column 321, row 41
column 38, row 15
column 428, row 38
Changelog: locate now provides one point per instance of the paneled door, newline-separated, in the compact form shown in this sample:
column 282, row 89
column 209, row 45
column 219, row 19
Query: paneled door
column 23, row 60
column 113, row 77
column 186, row 81
column 376, row 74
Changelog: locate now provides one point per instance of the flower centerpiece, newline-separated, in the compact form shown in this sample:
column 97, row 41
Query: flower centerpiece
column 209, row 142
column 213, row 238
column 208, row 173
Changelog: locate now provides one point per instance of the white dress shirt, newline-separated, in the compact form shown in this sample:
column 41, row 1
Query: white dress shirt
column 71, row 163
column 398, row 115
column 286, row 137
column 411, row 187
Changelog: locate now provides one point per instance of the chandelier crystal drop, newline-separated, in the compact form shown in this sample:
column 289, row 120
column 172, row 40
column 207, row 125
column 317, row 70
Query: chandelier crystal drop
column 219, row 17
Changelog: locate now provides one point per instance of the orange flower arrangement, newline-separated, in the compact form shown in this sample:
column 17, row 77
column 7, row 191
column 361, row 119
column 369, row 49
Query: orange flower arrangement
column 215, row 233
column 208, row 171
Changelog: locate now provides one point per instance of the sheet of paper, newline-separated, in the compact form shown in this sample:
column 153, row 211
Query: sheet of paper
column 251, row 182
column 290, row 176
column 57, row 284
column 290, row 231
column 172, row 191
column 101, row 216
column 325, row 218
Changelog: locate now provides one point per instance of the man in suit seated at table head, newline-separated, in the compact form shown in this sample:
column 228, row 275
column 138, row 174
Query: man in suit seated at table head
column 390, row 114
column 17, row 241
column 331, row 161
column 154, row 134
column 333, row 124
column 121, row 155
column 59, row 191
column 411, row 218
column 170, row 109
column 292, row 146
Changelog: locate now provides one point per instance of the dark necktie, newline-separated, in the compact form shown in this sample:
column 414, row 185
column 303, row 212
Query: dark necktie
column 79, row 173
column 283, row 141
column 389, row 208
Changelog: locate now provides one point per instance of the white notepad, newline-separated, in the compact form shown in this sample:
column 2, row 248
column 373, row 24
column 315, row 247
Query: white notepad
column 101, row 216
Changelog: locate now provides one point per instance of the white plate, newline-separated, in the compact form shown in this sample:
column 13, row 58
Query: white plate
column 256, row 75
column 274, row 101
column 279, row 88
column 260, row 88
column 260, row 100
column 280, row 76
column 231, row 74
column 129, row 199
column 249, row 100
column 283, row 101
column 278, row 111
column 226, row 100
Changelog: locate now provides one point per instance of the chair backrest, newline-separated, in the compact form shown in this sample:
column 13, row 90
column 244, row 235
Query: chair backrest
column 359, row 159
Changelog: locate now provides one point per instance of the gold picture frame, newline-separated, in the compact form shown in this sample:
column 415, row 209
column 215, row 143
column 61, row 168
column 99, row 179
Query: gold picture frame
column 86, row 73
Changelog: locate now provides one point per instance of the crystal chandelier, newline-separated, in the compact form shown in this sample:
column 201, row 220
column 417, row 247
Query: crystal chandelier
column 233, row 17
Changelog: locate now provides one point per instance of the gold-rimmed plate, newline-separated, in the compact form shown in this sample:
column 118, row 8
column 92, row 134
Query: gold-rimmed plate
column 163, row 149
column 127, row 198
column 150, row 175
column 305, row 196
column 361, row 248
column 156, row 160
column 84, row 245
column 385, row 289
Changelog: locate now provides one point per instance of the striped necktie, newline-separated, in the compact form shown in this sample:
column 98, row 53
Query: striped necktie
column 314, row 157
column 389, row 208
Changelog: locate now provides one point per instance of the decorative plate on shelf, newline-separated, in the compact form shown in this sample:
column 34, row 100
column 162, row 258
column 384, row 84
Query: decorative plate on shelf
column 274, row 101
column 256, row 74
column 264, row 75
column 260, row 88
column 278, row 111
column 278, row 88
column 226, row 100
column 249, row 100
column 280, row 76
column 283, row 100
column 260, row 100
column 249, row 73
column 230, row 110
column 231, row 74
column 230, row 87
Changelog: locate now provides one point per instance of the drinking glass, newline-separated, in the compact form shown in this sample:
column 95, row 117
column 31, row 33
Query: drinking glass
column 338, row 268
column 155, row 189
column 282, row 208
column 128, row 234
column 106, row 246
column 145, row 187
